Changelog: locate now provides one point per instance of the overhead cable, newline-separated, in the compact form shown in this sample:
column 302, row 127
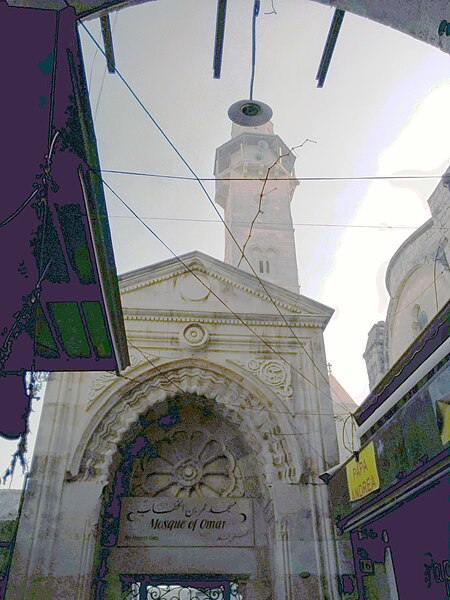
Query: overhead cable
column 170, row 380
column 262, row 179
column 238, row 317
column 185, row 162
column 340, row 225
column 292, row 413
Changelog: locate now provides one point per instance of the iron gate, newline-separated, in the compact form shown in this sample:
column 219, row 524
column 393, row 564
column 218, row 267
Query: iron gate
column 149, row 588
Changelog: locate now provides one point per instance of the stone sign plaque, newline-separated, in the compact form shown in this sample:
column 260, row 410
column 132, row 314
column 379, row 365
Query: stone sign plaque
column 185, row 522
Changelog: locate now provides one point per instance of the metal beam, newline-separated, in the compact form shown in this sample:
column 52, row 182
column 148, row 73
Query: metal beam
column 220, row 32
column 83, row 8
column 108, row 43
column 420, row 19
column 335, row 27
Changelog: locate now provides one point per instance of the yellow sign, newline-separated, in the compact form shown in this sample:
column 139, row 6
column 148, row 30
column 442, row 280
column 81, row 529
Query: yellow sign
column 362, row 474
column 444, row 411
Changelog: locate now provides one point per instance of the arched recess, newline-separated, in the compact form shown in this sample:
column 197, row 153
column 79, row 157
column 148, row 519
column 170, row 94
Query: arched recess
column 262, row 418
column 156, row 400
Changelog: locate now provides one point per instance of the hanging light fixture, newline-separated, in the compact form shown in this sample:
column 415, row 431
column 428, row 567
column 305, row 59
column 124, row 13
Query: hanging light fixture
column 251, row 113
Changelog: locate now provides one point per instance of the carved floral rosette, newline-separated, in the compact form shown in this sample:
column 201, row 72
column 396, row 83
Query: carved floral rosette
column 103, row 380
column 194, row 335
column 189, row 464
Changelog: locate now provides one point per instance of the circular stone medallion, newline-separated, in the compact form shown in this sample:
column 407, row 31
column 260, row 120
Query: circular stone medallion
column 193, row 289
column 194, row 335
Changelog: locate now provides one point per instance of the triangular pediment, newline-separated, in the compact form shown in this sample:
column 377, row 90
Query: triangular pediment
column 198, row 283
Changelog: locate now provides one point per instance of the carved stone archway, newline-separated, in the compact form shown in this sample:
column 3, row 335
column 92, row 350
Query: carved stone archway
column 258, row 413
column 114, row 454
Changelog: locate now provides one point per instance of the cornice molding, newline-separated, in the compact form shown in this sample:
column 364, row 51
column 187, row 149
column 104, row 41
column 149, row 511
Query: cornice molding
column 198, row 266
column 160, row 316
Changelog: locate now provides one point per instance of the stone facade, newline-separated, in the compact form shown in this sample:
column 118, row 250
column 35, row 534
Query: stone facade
column 9, row 509
column 225, row 420
column 418, row 282
column 375, row 354
column 201, row 460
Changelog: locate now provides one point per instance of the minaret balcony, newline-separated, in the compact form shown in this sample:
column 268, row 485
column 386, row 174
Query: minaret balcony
column 251, row 147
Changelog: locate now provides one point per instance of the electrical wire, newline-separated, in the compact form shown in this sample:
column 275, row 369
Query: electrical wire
column 227, row 404
column 438, row 251
column 352, row 449
column 149, row 115
column 273, row 11
column 236, row 406
column 319, row 178
column 421, row 293
column 172, row 145
column 239, row 318
column 435, row 279
column 97, row 104
column 20, row 209
column 268, row 410
column 337, row 225
column 92, row 65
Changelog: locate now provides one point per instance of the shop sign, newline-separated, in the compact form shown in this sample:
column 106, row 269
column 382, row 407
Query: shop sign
column 443, row 408
column 186, row 522
column 362, row 474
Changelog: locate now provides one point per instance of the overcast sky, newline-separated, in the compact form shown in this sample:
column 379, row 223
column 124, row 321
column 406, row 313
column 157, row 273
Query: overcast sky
column 382, row 111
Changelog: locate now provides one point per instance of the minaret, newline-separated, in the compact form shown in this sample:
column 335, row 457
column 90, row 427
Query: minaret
column 256, row 153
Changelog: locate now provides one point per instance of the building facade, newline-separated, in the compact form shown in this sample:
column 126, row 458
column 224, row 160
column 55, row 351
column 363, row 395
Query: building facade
column 418, row 283
column 390, row 501
column 197, row 468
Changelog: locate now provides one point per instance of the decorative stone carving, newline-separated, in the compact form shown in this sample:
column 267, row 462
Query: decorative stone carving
column 104, row 379
column 194, row 335
column 210, row 276
column 192, row 289
column 274, row 373
column 259, row 426
column 188, row 465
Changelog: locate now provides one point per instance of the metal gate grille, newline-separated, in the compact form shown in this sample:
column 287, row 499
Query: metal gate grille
column 177, row 590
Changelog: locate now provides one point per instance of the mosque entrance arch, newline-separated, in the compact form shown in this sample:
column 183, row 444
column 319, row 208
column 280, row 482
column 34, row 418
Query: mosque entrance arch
column 185, row 511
